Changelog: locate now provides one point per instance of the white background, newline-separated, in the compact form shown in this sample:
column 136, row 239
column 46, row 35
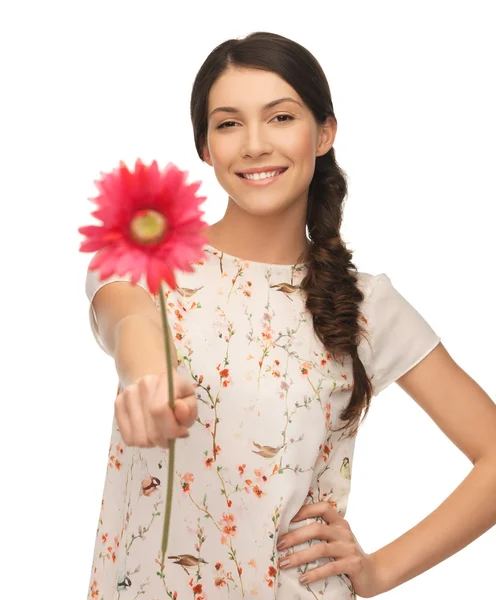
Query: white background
column 85, row 84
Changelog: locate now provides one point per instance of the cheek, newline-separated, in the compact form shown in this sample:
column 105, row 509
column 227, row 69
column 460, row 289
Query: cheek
column 302, row 146
column 221, row 149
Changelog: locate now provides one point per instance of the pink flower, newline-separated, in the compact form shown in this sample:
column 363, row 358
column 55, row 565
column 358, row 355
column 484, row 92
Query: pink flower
column 151, row 224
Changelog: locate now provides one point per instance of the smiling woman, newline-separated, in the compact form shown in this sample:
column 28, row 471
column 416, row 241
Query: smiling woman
column 255, row 115
column 285, row 343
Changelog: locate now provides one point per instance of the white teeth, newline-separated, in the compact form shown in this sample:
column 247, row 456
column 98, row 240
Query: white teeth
column 260, row 175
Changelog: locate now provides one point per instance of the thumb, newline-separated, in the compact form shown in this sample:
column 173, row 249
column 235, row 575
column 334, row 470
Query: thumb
column 185, row 411
column 185, row 403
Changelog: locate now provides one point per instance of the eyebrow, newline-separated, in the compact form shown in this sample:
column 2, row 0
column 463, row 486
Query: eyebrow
column 232, row 109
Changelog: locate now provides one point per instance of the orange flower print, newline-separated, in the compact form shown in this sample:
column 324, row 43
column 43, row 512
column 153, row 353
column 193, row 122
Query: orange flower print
column 271, row 575
column 253, row 563
column 118, row 464
column 208, row 462
column 186, row 479
column 218, row 566
column 258, row 491
column 241, row 469
column 224, row 376
column 198, row 588
column 219, row 581
column 327, row 412
column 326, row 450
column 228, row 527
column 104, row 538
column 179, row 331
column 305, row 367
column 95, row 592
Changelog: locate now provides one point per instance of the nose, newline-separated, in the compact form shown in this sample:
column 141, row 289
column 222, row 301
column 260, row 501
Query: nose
column 256, row 142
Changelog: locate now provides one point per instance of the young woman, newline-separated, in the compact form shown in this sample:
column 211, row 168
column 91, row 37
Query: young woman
column 281, row 344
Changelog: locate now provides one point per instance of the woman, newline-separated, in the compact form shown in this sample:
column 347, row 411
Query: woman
column 281, row 344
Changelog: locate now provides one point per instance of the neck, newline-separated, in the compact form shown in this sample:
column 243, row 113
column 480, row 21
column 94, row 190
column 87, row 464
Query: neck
column 274, row 239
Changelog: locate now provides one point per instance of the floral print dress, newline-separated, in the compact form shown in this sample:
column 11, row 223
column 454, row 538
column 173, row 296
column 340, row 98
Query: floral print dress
column 268, row 393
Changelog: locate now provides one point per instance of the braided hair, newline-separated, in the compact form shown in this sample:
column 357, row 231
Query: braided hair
column 330, row 284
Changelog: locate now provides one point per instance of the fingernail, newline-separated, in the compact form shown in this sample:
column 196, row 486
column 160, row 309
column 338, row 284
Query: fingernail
column 284, row 563
column 303, row 579
column 184, row 435
column 281, row 544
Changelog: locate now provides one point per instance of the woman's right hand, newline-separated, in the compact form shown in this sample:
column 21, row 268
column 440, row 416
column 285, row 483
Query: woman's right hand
column 143, row 413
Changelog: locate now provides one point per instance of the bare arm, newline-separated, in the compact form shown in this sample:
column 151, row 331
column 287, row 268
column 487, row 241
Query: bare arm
column 130, row 327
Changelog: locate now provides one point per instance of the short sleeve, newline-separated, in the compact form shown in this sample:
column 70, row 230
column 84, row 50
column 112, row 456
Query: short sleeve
column 93, row 284
column 398, row 336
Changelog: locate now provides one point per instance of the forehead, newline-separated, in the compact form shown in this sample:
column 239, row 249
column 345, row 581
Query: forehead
column 246, row 88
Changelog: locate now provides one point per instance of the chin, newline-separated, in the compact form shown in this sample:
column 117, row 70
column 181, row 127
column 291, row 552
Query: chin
column 264, row 209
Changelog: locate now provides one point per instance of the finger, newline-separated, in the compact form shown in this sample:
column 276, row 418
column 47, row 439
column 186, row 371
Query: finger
column 319, row 550
column 136, row 420
column 155, row 435
column 162, row 415
column 165, row 421
column 344, row 566
column 186, row 414
column 122, row 419
column 312, row 531
column 319, row 509
column 186, row 394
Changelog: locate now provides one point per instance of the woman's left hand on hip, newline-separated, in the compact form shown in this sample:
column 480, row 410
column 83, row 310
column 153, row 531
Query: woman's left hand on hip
column 339, row 543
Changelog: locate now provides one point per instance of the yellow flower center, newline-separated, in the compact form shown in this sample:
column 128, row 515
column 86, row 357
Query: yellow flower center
column 148, row 227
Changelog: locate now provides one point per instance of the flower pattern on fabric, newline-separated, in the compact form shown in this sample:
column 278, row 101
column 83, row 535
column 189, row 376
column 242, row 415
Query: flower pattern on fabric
column 268, row 393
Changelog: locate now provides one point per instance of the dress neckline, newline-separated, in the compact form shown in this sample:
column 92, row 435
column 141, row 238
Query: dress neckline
column 216, row 251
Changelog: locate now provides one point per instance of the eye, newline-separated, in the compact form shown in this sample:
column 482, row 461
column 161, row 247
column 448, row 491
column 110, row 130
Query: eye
column 223, row 125
column 289, row 117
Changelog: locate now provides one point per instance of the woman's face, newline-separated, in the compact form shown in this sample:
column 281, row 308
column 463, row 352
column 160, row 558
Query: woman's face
column 244, row 134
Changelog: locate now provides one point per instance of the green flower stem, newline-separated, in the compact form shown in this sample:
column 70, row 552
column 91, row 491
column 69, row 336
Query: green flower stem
column 172, row 443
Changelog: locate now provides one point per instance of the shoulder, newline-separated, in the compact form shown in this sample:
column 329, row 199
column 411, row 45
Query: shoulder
column 368, row 282
column 396, row 336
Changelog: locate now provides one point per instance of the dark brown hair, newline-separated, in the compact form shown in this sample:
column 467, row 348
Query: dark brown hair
column 331, row 281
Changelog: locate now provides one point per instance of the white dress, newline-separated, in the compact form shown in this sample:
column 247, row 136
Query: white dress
column 261, row 448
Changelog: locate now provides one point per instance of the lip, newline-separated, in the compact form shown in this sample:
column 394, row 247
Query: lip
column 262, row 170
column 265, row 181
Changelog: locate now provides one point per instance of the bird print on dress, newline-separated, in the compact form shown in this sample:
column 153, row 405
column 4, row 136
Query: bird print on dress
column 186, row 561
column 345, row 468
column 123, row 584
column 188, row 292
column 149, row 485
column 286, row 288
column 267, row 451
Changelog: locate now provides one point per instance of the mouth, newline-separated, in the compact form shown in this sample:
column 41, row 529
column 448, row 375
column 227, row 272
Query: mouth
column 262, row 178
